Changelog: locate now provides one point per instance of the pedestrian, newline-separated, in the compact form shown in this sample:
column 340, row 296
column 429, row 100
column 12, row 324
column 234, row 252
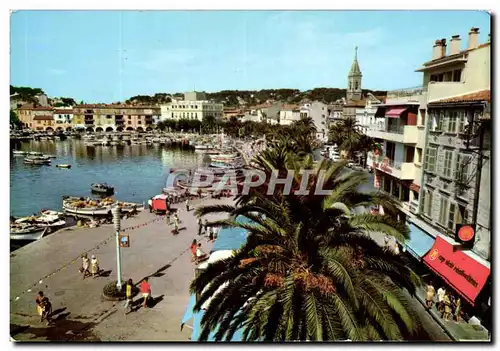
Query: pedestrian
column 167, row 217
column 128, row 293
column 199, row 254
column 458, row 309
column 431, row 292
column 94, row 266
column 210, row 235
column 145, row 291
column 205, row 226
column 193, row 248
column 44, row 307
column 447, row 307
column 440, row 295
column 85, row 266
column 187, row 204
column 200, row 225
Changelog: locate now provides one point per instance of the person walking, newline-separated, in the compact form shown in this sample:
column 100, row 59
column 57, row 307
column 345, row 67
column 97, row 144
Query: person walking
column 199, row 254
column 145, row 289
column 44, row 307
column 167, row 217
column 94, row 266
column 200, row 226
column 187, row 204
column 128, row 293
column 447, row 307
column 440, row 295
column 193, row 248
column 205, row 226
column 85, row 266
column 431, row 292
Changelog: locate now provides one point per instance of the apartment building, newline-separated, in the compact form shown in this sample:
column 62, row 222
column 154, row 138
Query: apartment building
column 63, row 118
column 435, row 158
column 318, row 112
column 456, row 165
column 109, row 118
column 39, row 118
column 194, row 106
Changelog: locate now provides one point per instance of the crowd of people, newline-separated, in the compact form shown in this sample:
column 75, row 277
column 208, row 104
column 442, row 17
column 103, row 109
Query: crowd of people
column 448, row 305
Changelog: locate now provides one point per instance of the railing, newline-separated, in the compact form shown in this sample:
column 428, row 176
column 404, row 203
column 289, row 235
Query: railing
column 378, row 128
column 383, row 161
column 418, row 90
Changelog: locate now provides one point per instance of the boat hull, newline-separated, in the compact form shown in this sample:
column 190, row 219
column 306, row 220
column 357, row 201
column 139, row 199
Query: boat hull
column 29, row 236
column 88, row 211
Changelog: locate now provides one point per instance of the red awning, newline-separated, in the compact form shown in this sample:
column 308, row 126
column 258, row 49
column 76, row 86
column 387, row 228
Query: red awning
column 414, row 187
column 462, row 272
column 395, row 112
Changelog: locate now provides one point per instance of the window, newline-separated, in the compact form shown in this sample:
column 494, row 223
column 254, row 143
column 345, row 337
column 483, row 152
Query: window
column 430, row 159
column 418, row 158
column 448, row 76
column 443, row 210
column 462, row 215
column 461, row 173
column 448, row 157
column 139, row 122
column 422, row 114
column 426, row 203
column 451, row 217
column 462, row 121
column 195, row 106
column 457, row 75
column 129, row 122
column 452, row 122
column 433, row 78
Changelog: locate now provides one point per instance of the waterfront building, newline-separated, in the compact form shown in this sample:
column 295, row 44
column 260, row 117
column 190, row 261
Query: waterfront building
column 63, row 118
column 40, row 118
column 233, row 112
column 194, row 106
column 109, row 118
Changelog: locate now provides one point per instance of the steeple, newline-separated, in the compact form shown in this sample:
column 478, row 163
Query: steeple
column 354, row 91
column 355, row 65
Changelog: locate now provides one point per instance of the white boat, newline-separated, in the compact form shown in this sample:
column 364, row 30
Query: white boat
column 50, row 156
column 202, row 147
column 35, row 153
column 37, row 160
column 27, row 232
column 51, row 219
column 19, row 153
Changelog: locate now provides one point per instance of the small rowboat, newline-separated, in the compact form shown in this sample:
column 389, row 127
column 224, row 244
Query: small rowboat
column 19, row 153
column 102, row 188
column 63, row 166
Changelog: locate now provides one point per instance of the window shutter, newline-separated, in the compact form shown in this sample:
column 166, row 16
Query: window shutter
column 440, row 162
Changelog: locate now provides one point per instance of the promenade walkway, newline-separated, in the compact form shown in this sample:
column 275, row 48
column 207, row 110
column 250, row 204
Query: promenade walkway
column 81, row 314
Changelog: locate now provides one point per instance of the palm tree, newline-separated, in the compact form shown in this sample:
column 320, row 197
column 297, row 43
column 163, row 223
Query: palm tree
column 366, row 144
column 345, row 133
column 309, row 269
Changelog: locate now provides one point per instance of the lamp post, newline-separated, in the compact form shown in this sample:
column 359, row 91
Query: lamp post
column 116, row 224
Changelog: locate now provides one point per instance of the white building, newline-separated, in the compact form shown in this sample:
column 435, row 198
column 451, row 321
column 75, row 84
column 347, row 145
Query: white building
column 289, row 114
column 63, row 115
column 318, row 111
column 194, row 106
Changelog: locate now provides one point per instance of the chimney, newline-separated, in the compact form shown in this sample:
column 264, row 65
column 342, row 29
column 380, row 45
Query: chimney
column 473, row 38
column 437, row 50
column 455, row 44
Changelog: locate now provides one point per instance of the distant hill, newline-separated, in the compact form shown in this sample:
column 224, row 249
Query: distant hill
column 251, row 97
column 26, row 94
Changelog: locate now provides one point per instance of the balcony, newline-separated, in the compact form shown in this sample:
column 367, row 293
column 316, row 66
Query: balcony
column 89, row 117
column 400, row 134
column 400, row 170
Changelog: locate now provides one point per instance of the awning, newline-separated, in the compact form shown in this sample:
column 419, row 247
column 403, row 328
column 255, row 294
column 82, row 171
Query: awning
column 189, row 312
column 420, row 242
column 380, row 112
column 395, row 112
column 466, row 275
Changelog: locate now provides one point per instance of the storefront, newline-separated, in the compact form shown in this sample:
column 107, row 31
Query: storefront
column 464, row 271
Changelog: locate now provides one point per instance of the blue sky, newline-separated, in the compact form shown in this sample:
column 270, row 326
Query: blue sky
column 105, row 56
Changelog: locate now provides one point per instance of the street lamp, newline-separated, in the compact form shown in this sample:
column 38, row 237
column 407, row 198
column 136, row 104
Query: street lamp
column 116, row 225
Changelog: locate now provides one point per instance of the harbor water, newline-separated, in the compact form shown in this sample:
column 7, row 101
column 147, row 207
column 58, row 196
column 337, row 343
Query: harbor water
column 137, row 172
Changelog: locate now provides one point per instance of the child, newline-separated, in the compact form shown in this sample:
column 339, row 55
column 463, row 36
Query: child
column 94, row 266
column 146, row 291
column 128, row 292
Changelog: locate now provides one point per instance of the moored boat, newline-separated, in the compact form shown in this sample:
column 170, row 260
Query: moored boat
column 27, row 232
column 82, row 206
column 37, row 160
column 102, row 188
column 63, row 166
column 19, row 153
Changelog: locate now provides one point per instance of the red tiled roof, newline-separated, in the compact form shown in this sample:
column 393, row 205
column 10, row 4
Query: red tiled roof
column 38, row 108
column 63, row 112
column 43, row 118
column 483, row 95
column 115, row 106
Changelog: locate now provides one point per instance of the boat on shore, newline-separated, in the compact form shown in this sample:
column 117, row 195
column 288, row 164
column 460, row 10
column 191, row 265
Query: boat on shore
column 102, row 188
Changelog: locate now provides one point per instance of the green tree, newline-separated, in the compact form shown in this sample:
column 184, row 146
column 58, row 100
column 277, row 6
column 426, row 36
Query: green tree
column 345, row 134
column 14, row 120
column 309, row 269
column 208, row 124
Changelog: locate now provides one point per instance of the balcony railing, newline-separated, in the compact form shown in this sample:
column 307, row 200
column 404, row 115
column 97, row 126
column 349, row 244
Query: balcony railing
column 418, row 90
column 391, row 129
column 384, row 161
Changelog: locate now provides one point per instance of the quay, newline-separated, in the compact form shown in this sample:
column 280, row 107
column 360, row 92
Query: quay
column 52, row 266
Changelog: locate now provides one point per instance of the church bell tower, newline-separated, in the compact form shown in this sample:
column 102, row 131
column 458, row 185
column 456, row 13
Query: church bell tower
column 354, row 80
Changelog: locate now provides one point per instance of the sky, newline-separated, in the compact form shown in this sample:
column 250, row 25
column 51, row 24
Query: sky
column 107, row 56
